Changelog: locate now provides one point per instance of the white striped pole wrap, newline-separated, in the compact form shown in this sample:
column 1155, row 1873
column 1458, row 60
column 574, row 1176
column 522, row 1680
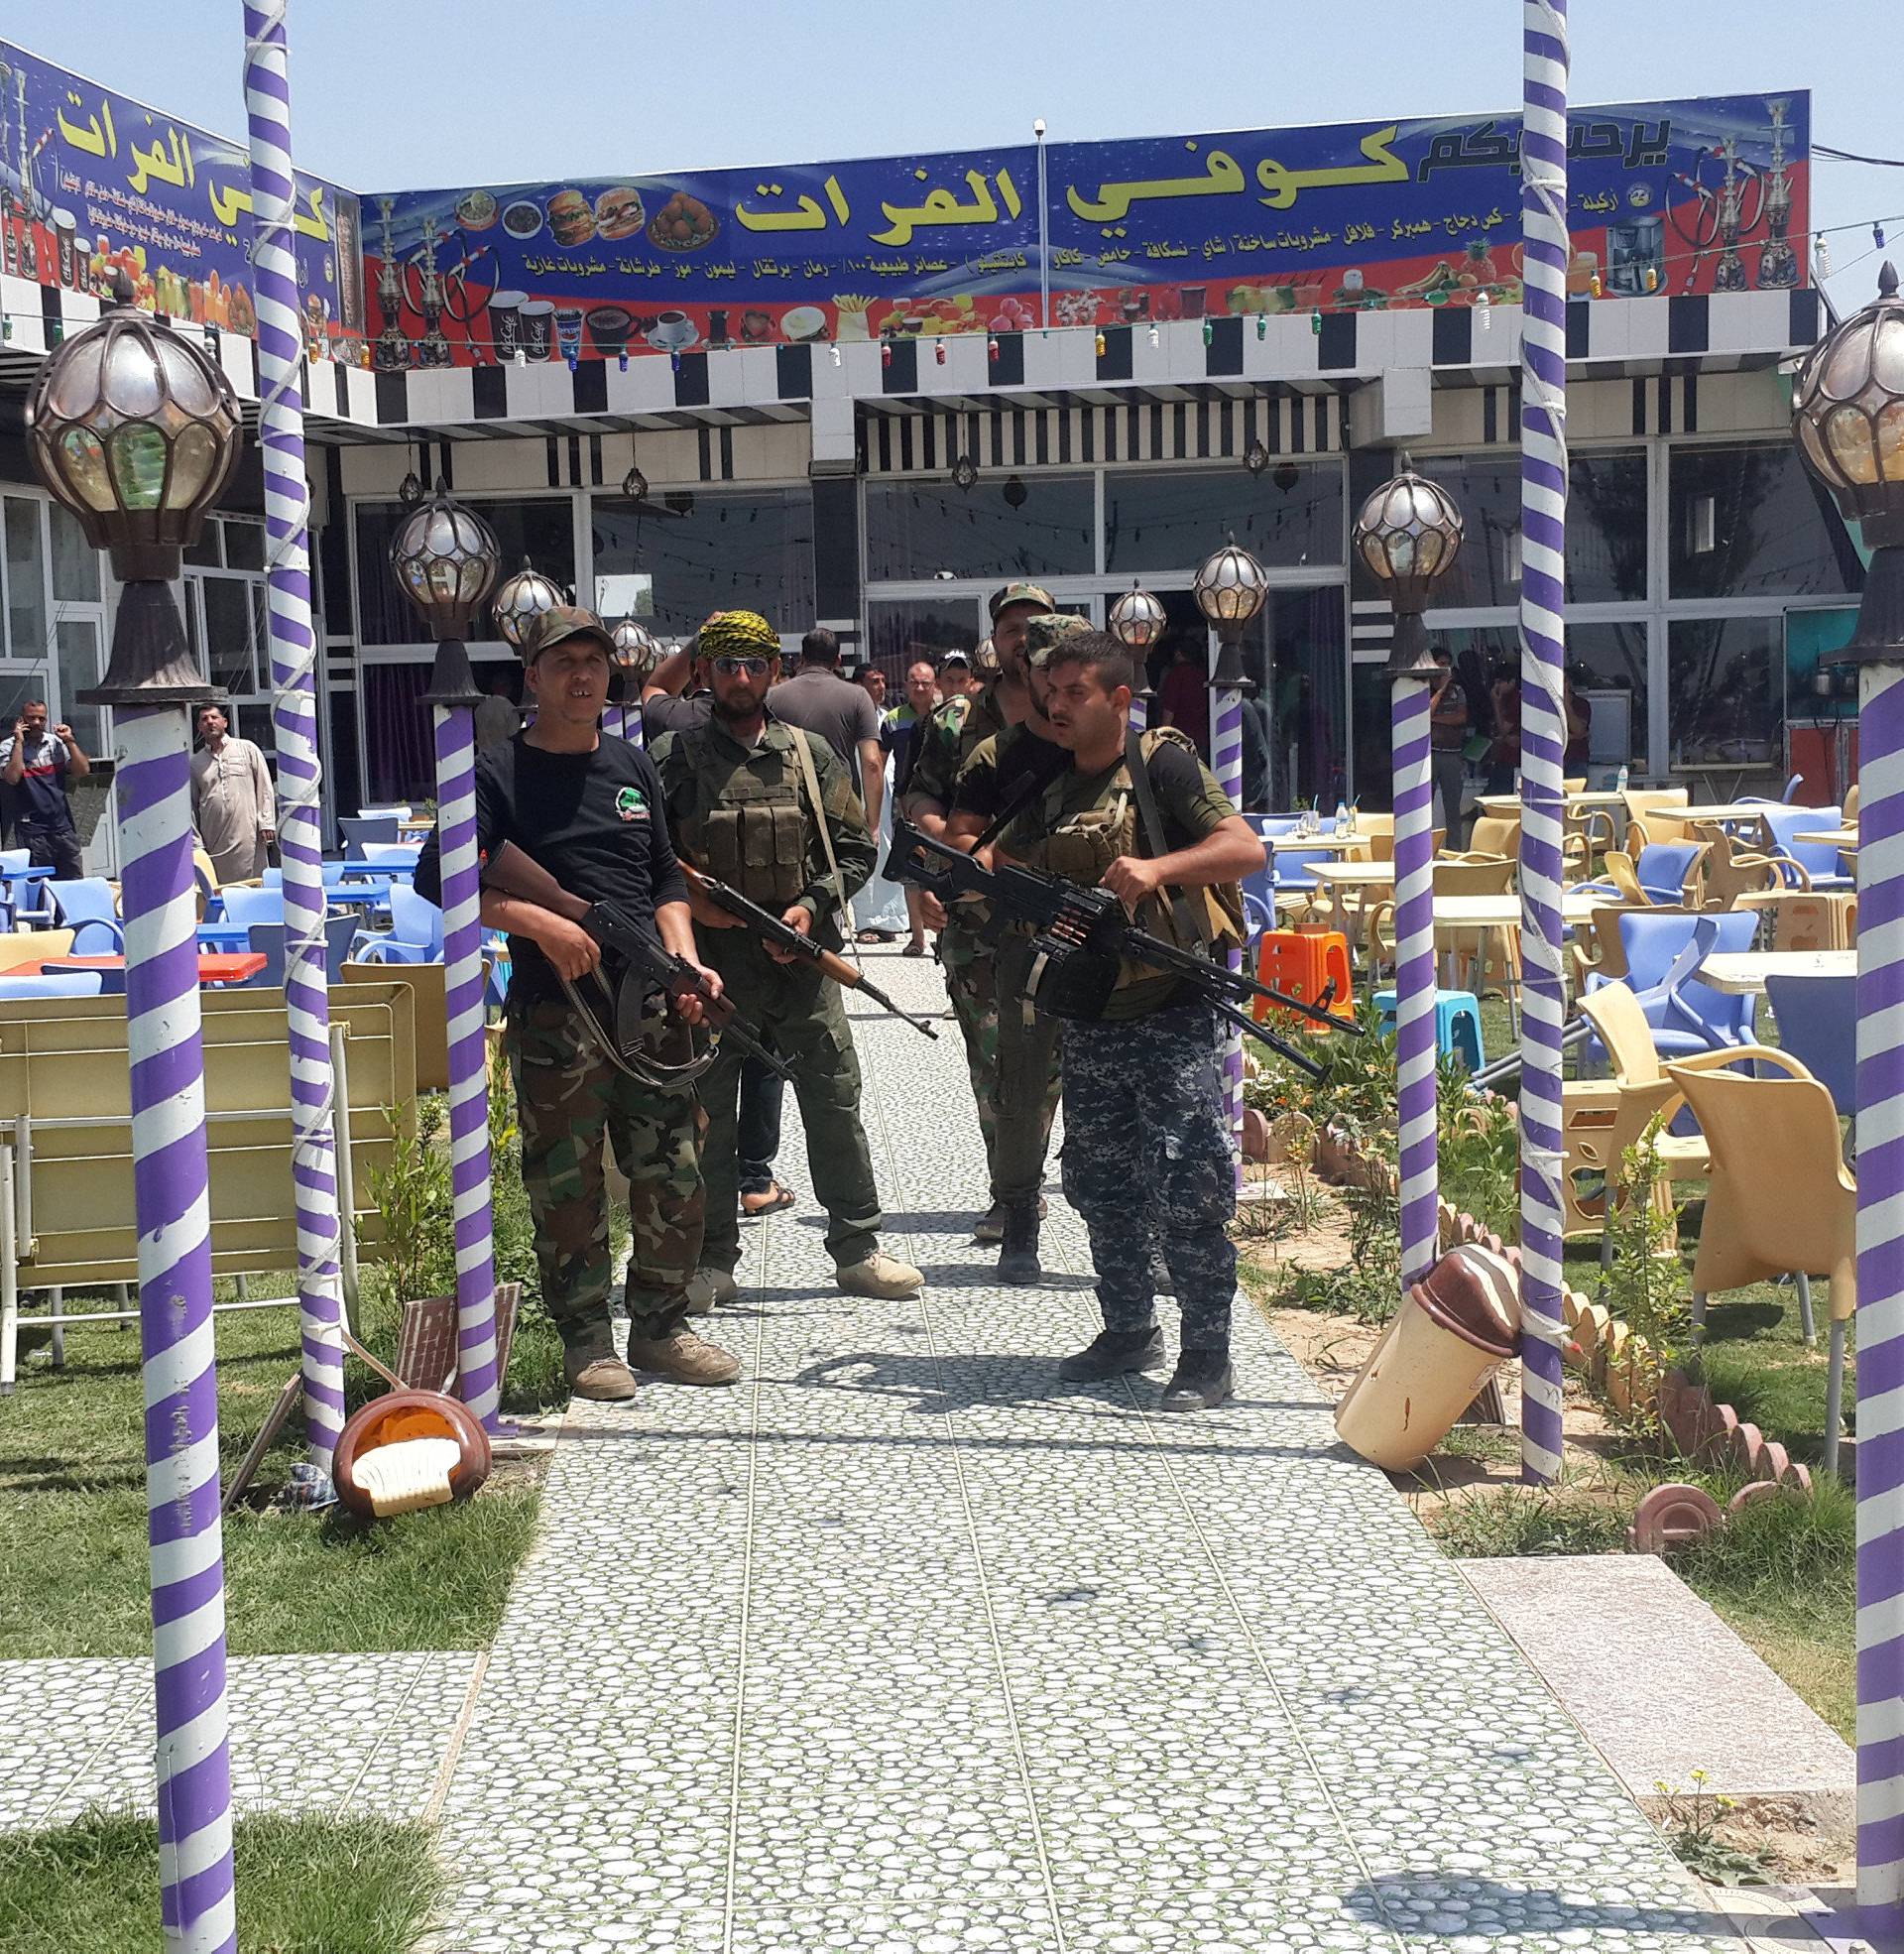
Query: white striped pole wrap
column 1139, row 713
column 1543, row 450
column 1415, row 1038
column 1880, row 1305
column 477, row 1382
column 293, row 658
column 1226, row 762
column 170, row 1198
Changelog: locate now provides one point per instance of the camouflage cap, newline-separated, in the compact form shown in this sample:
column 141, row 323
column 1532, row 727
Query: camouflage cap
column 559, row 623
column 1045, row 632
column 1020, row 593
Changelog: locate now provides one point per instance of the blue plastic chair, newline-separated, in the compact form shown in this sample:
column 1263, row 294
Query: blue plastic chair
column 53, row 984
column 87, row 909
column 1817, row 1019
column 415, row 933
column 244, row 907
column 359, row 830
column 1662, row 866
column 398, row 855
column 1818, row 859
column 340, row 935
column 1689, row 1015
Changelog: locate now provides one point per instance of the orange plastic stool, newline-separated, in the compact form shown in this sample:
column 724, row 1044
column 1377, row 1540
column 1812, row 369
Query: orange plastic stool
column 1302, row 963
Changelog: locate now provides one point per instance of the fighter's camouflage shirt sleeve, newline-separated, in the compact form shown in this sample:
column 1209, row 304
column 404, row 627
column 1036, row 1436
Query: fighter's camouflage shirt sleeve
column 976, row 789
column 935, row 768
column 853, row 844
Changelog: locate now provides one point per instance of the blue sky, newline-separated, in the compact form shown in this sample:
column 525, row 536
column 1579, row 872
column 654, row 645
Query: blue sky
column 391, row 93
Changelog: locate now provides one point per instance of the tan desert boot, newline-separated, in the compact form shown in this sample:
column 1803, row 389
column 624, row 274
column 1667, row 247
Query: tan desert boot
column 684, row 1357
column 880, row 1276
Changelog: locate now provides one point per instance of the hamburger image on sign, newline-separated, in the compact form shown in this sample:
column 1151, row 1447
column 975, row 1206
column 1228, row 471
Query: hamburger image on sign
column 569, row 217
column 618, row 211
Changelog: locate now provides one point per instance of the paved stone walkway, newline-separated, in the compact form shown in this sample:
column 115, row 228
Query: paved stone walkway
column 899, row 1647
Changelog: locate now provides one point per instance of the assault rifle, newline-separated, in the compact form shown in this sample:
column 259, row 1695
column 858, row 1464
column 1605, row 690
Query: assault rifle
column 782, row 935
column 1084, row 933
column 635, row 961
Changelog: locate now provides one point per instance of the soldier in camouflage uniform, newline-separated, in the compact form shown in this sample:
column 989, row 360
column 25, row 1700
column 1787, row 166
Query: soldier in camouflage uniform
column 967, row 946
column 1149, row 1152
column 587, row 807
column 743, row 801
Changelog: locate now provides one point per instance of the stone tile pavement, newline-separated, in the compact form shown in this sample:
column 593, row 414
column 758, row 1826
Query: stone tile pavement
column 358, row 1734
column 899, row 1647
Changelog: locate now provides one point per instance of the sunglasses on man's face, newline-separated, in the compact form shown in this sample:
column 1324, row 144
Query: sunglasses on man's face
column 730, row 666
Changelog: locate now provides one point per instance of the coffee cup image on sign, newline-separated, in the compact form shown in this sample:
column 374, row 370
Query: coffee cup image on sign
column 609, row 328
column 570, row 218
column 672, row 332
column 618, row 212
column 538, row 328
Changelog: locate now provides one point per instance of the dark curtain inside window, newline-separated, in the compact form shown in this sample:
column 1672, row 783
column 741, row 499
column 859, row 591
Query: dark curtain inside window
column 397, row 730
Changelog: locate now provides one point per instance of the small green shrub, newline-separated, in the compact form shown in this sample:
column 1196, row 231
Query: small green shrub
column 1527, row 1520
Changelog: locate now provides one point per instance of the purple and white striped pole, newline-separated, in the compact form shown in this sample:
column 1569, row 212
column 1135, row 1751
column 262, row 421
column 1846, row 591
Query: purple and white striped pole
column 1415, row 1035
column 1226, row 762
column 293, row 659
column 1543, row 634
column 477, row 1383
column 158, row 897
column 1881, row 1303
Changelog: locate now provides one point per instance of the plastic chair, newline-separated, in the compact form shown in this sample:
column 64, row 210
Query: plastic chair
column 1494, row 834
column 1303, row 963
column 415, row 933
column 1457, row 1025
column 1818, row 859
column 1850, row 806
column 53, row 984
column 1779, row 1201
column 1816, row 1018
column 245, row 905
column 1686, row 1015
column 30, row 945
column 358, row 830
column 87, row 909
column 1293, row 877
column 340, row 935
column 1670, row 871
column 392, row 854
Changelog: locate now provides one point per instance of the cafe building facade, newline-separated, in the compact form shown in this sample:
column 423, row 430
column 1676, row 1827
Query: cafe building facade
column 881, row 470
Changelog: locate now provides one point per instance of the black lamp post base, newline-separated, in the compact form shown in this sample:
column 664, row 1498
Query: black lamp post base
column 1879, row 636
column 151, row 662
column 452, row 679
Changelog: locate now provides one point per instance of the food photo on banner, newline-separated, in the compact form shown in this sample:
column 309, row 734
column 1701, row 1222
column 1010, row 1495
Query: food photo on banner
column 93, row 184
column 1671, row 197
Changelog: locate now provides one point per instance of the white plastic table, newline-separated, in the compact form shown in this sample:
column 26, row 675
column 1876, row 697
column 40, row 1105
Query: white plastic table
column 1741, row 972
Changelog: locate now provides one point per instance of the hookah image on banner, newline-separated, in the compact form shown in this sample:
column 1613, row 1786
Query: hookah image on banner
column 1679, row 198
column 93, row 184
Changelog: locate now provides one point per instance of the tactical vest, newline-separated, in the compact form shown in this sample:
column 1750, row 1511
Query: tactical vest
column 749, row 828
column 1082, row 844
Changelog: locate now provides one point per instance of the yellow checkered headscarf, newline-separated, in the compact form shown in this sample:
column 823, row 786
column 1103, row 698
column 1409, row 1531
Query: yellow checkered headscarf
column 739, row 634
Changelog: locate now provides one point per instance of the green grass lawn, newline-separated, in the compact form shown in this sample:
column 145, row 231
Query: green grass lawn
column 305, row 1886
column 74, row 1573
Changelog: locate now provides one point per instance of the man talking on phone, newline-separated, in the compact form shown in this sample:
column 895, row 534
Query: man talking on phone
column 37, row 768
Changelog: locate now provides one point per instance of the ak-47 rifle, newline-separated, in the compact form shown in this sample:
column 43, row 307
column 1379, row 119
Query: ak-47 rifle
column 635, row 961
column 782, row 935
column 1084, row 934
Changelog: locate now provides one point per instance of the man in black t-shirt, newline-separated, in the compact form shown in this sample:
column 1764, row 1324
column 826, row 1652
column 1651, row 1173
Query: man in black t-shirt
column 588, row 807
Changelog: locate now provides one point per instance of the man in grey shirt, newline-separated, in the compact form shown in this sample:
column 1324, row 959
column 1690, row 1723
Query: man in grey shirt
column 817, row 698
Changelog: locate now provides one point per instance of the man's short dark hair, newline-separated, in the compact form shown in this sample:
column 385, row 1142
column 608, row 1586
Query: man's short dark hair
column 820, row 647
column 1101, row 655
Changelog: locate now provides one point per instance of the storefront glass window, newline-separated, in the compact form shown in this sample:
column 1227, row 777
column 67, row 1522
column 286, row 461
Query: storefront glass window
column 76, row 563
column 898, row 634
column 229, row 652
column 1287, row 517
column 1726, row 687
column 1605, row 528
column 1747, row 521
column 1606, row 668
column 713, row 551
column 27, row 636
column 1004, row 525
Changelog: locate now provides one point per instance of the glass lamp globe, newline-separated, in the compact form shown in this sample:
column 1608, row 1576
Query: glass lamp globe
column 136, row 431
column 1136, row 619
column 444, row 559
column 521, row 599
column 636, row 652
column 1229, row 587
column 1407, row 534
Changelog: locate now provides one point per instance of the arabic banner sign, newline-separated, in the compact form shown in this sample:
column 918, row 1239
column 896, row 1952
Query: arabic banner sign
column 92, row 184
column 1666, row 196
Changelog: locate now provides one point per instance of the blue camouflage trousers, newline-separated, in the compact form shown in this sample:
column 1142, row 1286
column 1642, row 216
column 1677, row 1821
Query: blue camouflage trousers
column 1149, row 1156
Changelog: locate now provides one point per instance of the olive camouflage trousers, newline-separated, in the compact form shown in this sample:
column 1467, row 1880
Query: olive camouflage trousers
column 1150, row 1160
column 569, row 1100
column 1012, row 1055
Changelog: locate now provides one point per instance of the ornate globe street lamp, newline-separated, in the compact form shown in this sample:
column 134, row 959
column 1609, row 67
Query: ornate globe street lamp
column 1407, row 534
column 521, row 599
column 444, row 559
column 636, row 654
column 1847, row 415
column 1138, row 620
column 137, row 431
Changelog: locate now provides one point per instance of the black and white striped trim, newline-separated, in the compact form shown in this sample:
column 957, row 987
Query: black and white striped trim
column 1372, row 631
column 921, row 438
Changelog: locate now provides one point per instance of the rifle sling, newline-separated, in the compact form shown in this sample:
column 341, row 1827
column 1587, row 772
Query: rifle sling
column 1194, row 928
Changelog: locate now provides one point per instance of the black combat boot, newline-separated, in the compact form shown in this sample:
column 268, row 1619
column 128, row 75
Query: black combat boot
column 1019, row 1258
column 1203, row 1379
column 1112, row 1351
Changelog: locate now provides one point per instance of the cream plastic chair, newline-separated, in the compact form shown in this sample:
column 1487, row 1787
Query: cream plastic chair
column 1850, row 808
column 1640, row 801
column 1779, row 1201
column 1493, row 835
column 27, row 945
